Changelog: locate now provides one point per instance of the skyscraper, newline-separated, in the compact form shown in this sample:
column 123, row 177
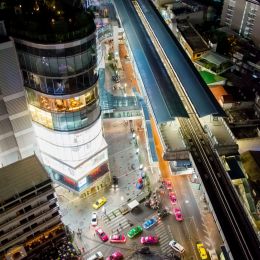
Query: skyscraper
column 56, row 46
column 243, row 16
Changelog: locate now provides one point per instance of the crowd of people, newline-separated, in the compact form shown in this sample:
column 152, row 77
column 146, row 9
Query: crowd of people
column 61, row 250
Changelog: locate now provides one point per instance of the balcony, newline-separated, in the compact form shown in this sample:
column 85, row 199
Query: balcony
column 40, row 204
column 20, row 205
column 42, row 214
column 51, row 222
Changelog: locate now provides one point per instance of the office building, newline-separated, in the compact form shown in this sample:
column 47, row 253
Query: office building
column 243, row 16
column 28, row 209
column 58, row 60
column 17, row 140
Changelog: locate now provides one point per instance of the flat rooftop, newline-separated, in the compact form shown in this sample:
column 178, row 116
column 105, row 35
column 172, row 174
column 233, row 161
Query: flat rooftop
column 192, row 37
column 20, row 176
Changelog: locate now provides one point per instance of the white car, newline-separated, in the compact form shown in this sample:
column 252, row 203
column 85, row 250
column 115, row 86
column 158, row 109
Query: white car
column 94, row 219
column 176, row 246
column 98, row 255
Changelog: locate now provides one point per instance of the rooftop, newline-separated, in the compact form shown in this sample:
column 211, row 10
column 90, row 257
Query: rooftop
column 20, row 176
column 192, row 37
column 50, row 21
column 211, row 78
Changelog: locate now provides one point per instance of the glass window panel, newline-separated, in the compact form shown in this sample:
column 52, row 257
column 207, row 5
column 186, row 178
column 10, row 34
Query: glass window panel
column 70, row 65
column 80, row 82
column 62, row 66
column 78, row 63
column 49, row 86
column 53, row 66
column 33, row 64
column 59, row 86
column 86, row 58
column 27, row 62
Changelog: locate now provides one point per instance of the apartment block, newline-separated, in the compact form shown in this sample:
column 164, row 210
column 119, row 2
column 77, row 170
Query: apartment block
column 243, row 16
column 28, row 209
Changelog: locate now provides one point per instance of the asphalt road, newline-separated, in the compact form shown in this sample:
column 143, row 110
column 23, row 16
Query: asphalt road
column 187, row 232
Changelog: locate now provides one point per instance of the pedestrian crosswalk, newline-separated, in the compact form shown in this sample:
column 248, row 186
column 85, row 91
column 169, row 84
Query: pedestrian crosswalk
column 116, row 221
column 162, row 232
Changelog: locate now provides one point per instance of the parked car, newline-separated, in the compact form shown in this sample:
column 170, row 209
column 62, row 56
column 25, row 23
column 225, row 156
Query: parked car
column 117, row 255
column 94, row 219
column 176, row 246
column 202, row 251
column 134, row 231
column 150, row 222
column 118, row 238
column 149, row 240
column 100, row 202
column 97, row 256
column 178, row 215
column 172, row 198
column 102, row 235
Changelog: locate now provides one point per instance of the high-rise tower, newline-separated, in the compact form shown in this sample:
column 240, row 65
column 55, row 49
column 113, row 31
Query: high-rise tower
column 56, row 45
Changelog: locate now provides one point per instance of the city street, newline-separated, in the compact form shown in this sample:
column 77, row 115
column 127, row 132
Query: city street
column 124, row 161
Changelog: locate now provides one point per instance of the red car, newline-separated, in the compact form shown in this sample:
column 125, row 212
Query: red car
column 150, row 240
column 172, row 198
column 168, row 185
column 116, row 256
column 118, row 238
column 178, row 215
column 102, row 235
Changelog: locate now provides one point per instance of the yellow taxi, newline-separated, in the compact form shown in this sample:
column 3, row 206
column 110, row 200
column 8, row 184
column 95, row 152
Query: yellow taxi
column 202, row 251
column 100, row 202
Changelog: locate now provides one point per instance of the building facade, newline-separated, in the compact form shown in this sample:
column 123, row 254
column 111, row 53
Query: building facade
column 59, row 68
column 243, row 16
column 28, row 209
column 17, row 139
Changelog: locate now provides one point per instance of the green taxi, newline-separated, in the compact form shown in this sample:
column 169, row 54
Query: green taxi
column 134, row 231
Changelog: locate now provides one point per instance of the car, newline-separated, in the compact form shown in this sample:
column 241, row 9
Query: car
column 102, row 235
column 202, row 251
column 144, row 251
column 168, row 185
column 100, row 202
column 150, row 222
column 163, row 213
column 176, row 246
column 178, row 215
column 117, row 255
column 94, row 219
column 172, row 198
column 134, row 231
column 149, row 240
column 98, row 255
column 118, row 238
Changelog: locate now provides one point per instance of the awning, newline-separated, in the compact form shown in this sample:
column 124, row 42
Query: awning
column 133, row 204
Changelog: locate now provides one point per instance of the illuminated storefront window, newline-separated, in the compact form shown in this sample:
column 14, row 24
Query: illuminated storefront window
column 40, row 116
column 85, row 182
column 61, row 105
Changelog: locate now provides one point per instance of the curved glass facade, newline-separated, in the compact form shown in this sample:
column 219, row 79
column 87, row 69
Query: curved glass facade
column 66, row 121
column 61, row 86
column 62, row 92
